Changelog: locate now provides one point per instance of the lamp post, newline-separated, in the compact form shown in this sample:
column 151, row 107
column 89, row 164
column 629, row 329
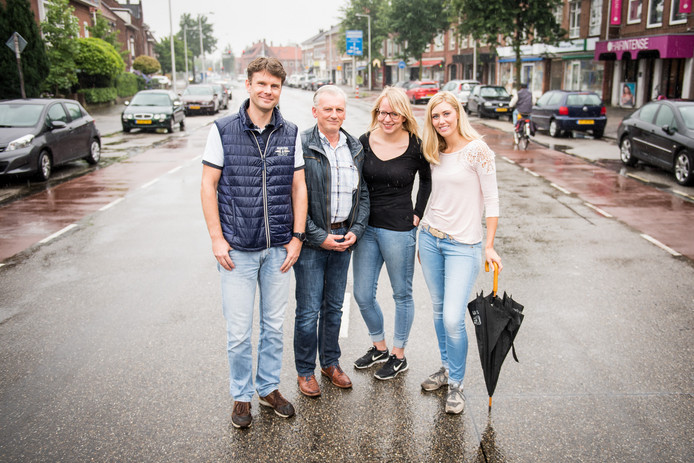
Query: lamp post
column 202, row 51
column 173, row 56
column 185, row 49
column 368, row 17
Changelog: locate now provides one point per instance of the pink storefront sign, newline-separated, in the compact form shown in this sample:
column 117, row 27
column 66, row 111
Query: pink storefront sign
column 685, row 6
column 616, row 12
column 667, row 46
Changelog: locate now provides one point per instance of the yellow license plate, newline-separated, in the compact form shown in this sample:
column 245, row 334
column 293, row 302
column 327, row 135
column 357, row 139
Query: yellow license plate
column 501, row 110
column 143, row 122
column 194, row 107
column 586, row 122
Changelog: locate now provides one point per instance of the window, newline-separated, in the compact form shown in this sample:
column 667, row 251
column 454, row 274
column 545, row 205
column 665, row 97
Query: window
column 464, row 42
column 675, row 16
column 74, row 110
column 56, row 113
column 665, row 117
column 451, row 39
column 559, row 14
column 574, row 20
column 544, row 99
column 595, row 17
column 647, row 112
column 86, row 31
column 438, row 42
column 634, row 14
column 655, row 13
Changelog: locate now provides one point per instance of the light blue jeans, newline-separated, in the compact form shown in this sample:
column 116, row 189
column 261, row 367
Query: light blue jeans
column 450, row 270
column 261, row 269
column 397, row 250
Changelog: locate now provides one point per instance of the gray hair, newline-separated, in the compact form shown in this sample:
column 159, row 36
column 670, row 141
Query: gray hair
column 332, row 89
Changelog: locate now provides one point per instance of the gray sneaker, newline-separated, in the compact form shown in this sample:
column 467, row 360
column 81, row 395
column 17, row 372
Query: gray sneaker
column 436, row 380
column 455, row 402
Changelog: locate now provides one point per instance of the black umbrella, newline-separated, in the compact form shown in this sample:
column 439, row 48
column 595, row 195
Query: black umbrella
column 497, row 321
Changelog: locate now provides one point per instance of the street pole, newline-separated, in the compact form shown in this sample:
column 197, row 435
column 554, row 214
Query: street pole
column 185, row 49
column 19, row 65
column 173, row 56
column 202, row 51
column 368, row 18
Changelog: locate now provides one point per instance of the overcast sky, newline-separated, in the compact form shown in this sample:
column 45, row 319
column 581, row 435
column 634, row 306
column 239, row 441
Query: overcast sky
column 240, row 24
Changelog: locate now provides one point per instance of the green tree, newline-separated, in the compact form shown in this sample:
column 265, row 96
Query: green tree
column 416, row 24
column 60, row 30
column 99, row 63
column 146, row 64
column 103, row 29
column 16, row 16
column 163, row 51
column 379, row 12
column 517, row 23
column 192, row 28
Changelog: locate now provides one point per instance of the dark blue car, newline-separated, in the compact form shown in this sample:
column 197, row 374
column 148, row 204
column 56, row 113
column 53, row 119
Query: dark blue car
column 560, row 111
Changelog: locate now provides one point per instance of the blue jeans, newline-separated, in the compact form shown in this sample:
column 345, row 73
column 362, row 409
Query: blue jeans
column 262, row 269
column 397, row 250
column 321, row 278
column 450, row 270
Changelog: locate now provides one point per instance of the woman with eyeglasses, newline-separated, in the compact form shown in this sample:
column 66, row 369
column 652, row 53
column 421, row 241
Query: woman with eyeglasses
column 393, row 158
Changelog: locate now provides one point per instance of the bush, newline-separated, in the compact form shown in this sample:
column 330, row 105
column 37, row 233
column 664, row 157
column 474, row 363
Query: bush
column 98, row 62
column 98, row 95
column 146, row 64
column 127, row 84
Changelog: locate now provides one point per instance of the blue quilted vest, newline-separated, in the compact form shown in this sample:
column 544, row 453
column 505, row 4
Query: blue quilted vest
column 254, row 191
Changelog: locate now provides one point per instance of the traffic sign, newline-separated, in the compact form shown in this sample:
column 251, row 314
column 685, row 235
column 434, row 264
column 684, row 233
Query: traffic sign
column 355, row 40
column 402, row 65
column 21, row 43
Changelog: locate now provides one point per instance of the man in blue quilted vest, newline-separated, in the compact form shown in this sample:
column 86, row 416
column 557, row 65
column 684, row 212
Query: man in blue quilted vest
column 254, row 201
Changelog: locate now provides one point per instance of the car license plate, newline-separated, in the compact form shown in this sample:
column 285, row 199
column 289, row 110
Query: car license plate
column 501, row 110
column 194, row 106
column 586, row 122
column 143, row 122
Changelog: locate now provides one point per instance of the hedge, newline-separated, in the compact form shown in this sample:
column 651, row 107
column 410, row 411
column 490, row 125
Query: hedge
column 98, row 95
column 127, row 84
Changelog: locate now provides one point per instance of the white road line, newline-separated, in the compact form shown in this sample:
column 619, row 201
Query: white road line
column 111, row 204
column 175, row 169
column 344, row 327
column 531, row 172
column 660, row 245
column 509, row 160
column 563, row 190
column 598, row 210
column 2, row 265
column 149, row 184
column 196, row 158
column 638, row 178
column 58, row 233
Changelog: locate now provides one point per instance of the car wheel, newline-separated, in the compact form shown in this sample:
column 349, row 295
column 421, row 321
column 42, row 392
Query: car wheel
column 554, row 129
column 597, row 134
column 172, row 125
column 45, row 166
column 182, row 124
column 126, row 129
column 94, row 152
column 684, row 163
column 479, row 112
column 625, row 152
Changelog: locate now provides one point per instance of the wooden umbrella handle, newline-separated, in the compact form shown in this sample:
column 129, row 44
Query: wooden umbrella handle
column 496, row 276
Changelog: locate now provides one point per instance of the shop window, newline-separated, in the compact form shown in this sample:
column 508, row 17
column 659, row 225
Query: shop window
column 655, row 13
column 574, row 20
column 559, row 14
column 675, row 16
column 634, row 14
column 595, row 17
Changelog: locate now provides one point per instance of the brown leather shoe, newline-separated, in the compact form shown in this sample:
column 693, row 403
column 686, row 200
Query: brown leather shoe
column 338, row 377
column 309, row 386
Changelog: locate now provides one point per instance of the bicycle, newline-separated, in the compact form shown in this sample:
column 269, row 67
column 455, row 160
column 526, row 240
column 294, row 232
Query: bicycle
column 522, row 131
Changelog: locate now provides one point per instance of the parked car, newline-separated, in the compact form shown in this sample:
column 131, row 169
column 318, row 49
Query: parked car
column 226, row 86
column 307, row 83
column 38, row 134
column 318, row 83
column 421, row 90
column 292, row 81
column 661, row 134
column 404, row 84
column 559, row 111
column 222, row 95
column 489, row 101
column 460, row 88
column 200, row 98
column 153, row 109
column 161, row 82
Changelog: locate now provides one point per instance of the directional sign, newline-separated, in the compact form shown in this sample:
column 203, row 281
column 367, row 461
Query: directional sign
column 21, row 43
column 355, row 40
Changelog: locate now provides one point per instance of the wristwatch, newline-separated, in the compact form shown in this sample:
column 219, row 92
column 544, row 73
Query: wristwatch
column 300, row 236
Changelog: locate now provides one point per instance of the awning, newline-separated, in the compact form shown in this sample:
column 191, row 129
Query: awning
column 667, row 46
column 523, row 59
column 428, row 63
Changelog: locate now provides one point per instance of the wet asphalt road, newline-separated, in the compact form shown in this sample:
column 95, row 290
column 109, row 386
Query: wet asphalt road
column 112, row 343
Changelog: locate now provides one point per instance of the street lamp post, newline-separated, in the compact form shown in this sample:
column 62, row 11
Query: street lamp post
column 185, row 49
column 202, row 50
column 368, row 17
column 173, row 56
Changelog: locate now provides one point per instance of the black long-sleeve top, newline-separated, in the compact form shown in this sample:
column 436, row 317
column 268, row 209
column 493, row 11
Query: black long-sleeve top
column 390, row 185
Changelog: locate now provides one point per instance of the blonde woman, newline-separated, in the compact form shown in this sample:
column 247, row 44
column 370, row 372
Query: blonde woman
column 464, row 186
column 393, row 158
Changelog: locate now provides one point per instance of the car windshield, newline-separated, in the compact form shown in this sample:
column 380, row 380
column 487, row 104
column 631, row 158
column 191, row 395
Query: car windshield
column 20, row 115
column 580, row 99
column 491, row 92
column 151, row 99
column 687, row 113
column 428, row 86
column 198, row 91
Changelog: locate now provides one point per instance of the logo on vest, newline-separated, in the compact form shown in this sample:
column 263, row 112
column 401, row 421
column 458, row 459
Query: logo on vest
column 282, row 151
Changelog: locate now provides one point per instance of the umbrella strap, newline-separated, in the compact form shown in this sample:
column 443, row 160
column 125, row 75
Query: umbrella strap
column 513, row 351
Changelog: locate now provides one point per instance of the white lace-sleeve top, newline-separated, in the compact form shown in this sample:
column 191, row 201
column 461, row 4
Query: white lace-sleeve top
column 463, row 188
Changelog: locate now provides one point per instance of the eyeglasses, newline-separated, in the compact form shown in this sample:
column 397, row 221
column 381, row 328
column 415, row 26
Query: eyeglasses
column 384, row 114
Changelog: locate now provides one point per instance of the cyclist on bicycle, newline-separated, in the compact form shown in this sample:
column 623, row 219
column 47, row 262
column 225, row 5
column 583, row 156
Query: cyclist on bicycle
column 523, row 105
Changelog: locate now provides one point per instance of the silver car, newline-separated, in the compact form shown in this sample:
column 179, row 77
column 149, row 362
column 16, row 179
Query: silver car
column 460, row 88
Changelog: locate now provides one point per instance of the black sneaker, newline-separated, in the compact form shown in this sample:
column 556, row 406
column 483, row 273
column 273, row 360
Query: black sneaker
column 371, row 357
column 241, row 415
column 392, row 367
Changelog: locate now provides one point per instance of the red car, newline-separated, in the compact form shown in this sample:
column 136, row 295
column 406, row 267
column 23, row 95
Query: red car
column 422, row 90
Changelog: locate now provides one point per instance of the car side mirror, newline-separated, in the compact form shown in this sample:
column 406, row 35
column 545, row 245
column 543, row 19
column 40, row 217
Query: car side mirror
column 669, row 130
column 57, row 124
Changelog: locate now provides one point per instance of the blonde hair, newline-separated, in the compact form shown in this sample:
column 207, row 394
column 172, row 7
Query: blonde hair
column 400, row 104
column 432, row 142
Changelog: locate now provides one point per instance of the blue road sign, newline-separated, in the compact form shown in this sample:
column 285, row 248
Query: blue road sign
column 402, row 65
column 355, row 43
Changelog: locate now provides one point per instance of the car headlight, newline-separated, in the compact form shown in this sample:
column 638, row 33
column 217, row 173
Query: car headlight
column 161, row 117
column 487, row 103
column 127, row 117
column 20, row 143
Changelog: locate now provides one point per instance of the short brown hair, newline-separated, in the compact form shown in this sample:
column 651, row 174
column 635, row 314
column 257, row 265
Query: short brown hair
column 271, row 65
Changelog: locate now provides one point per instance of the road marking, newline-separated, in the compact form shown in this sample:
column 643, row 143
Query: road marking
column 638, row 178
column 682, row 193
column 510, row 161
column 2, row 265
column 661, row 245
column 563, row 190
column 175, row 169
column 531, row 172
column 111, row 204
column 196, row 158
column 149, row 184
column 344, row 327
column 58, row 233
column 598, row 210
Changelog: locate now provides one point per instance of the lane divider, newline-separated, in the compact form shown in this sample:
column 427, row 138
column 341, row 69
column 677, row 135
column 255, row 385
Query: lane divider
column 58, row 233
column 509, row 160
column 563, row 190
column 534, row 174
column 661, row 245
column 598, row 210
column 175, row 169
column 344, row 326
column 111, row 204
column 149, row 184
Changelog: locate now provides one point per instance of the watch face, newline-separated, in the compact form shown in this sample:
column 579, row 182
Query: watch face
column 300, row 236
